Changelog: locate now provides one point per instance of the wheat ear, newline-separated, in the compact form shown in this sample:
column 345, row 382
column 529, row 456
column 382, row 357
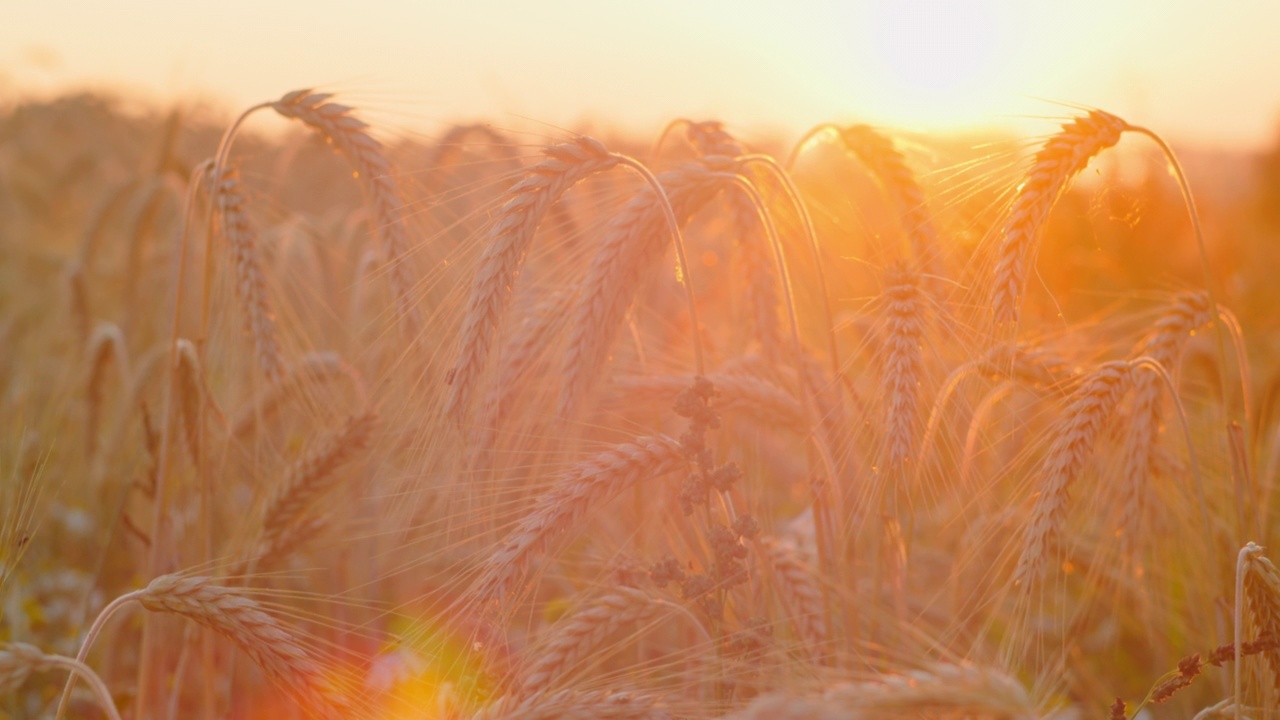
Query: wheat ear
column 231, row 613
column 313, row 370
column 106, row 343
column 758, row 397
column 879, row 155
column 19, row 660
column 903, row 366
column 504, row 253
column 1073, row 438
column 633, row 245
column 800, row 593
column 579, row 491
column 351, row 136
column 574, row 639
column 1262, row 595
column 1163, row 345
column 251, row 284
column 1057, row 162
column 312, row 476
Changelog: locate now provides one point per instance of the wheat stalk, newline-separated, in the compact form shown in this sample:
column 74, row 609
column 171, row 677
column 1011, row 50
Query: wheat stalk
column 509, row 239
column 1073, row 438
column 18, row 660
column 1057, row 162
column 350, row 134
column 582, row 489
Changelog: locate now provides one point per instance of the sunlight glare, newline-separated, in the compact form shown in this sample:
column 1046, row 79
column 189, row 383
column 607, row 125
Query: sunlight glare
column 935, row 59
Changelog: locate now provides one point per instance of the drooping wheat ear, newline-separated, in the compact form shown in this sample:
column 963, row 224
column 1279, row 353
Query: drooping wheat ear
column 251, row 284
column 308, row 374
column 1073, row 437
column 942, row 690
column 633, row 246
column 1057, row 162
column 760, row 283
column 190, row 389
column 878, row 154
column 105, row 345
column 1026, row 363
column 574, row 705
column 313, row 475
column 903, row 366
column 505, row 250
column 19, row 660
column 800, row 593
column 575, row 638
column 1262, row 595
column 758, row 398
column 351, row 136
column 78, row 300
column 1163, row 345
column 517, row 357
column 579, row 491
column 230, row 613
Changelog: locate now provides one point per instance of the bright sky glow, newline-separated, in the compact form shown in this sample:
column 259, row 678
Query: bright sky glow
column 1195, row 70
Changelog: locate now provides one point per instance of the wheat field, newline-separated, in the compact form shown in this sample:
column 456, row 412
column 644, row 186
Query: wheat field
column 342, row 422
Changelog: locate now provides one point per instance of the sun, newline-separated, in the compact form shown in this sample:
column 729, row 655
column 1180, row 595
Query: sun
column 935, row 62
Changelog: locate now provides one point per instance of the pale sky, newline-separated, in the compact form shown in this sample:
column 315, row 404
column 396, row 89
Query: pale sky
column 1194, row 71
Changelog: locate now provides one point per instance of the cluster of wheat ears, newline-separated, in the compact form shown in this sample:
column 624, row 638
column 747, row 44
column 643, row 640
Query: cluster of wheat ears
column 686, row 432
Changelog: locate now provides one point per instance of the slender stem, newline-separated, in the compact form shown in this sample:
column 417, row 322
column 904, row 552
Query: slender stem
column 681, row 257
column 79, row 669
column 793, row 195
column 89, row 637
column 805, row 140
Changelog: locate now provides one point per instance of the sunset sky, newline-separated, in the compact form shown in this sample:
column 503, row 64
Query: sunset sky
column 1197, row 71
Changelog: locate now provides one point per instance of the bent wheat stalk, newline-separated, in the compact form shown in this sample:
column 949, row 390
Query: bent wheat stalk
column 19, row 660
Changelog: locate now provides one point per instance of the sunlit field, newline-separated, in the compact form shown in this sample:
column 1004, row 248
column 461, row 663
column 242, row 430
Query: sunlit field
column 307, row 417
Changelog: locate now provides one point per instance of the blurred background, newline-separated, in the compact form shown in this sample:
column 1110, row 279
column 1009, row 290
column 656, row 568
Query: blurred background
column 1198, row 71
